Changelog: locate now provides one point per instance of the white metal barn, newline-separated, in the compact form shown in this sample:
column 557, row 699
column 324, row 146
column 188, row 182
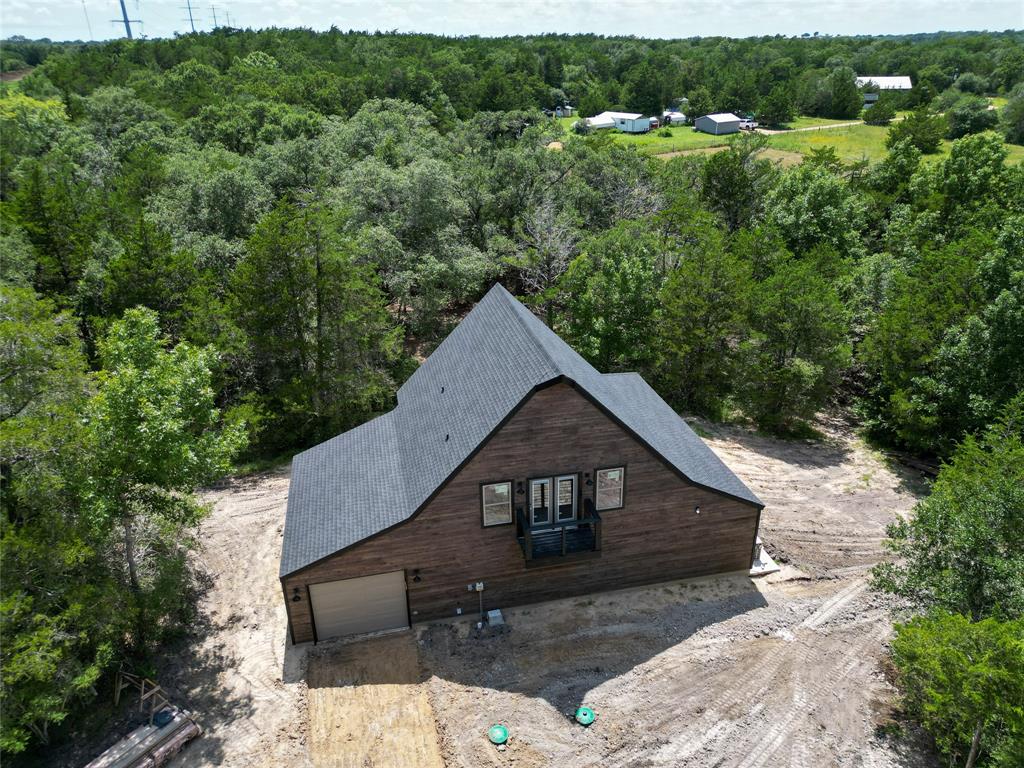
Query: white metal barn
column 886, row 82
column 673, row 118
column 718, row 123
column 883, row 83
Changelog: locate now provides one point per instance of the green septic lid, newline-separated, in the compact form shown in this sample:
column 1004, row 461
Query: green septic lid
column 498, row 734
column 585, row 715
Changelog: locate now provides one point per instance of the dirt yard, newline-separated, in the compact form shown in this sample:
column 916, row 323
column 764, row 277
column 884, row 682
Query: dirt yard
column 722, row 672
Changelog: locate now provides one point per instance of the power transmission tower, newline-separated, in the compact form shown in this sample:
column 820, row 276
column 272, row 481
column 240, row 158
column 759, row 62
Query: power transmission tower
column 188, row 7
column 214, row 9
column 127, row 22
column 87, row 22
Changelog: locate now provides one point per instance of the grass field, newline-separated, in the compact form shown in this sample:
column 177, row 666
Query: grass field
column 813, row 122
column 852, row 142
column 786, row 159
column 683, row 138
column 857, row 141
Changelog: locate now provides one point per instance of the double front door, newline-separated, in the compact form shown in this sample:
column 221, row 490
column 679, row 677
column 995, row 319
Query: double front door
column 552, row 500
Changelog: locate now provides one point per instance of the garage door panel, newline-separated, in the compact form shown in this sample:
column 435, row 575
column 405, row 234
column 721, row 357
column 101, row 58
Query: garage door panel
column 361, row 605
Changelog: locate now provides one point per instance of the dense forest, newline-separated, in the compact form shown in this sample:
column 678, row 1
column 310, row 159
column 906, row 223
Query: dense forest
column 227, row 247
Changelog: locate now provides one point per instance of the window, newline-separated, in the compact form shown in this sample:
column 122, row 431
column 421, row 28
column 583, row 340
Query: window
column 610, row 487
column 497, row 503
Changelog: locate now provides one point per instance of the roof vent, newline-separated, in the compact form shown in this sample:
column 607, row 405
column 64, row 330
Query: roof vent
column 442, row 390
column 446, row 438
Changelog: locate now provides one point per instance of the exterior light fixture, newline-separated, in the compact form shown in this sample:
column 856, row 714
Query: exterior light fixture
column 519, row 488
column 588, row 482
column 295, row 595
column 697, row 509
column 416, row 575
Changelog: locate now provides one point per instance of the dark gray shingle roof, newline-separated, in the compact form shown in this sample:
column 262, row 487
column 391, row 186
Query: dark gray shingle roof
column 379, row 474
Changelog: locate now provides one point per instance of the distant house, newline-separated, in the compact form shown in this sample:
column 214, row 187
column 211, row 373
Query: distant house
column 718, row 123
column 673, row 118
column 628, row 122
column 565, row 110
column 510, row 472
column 899, row 83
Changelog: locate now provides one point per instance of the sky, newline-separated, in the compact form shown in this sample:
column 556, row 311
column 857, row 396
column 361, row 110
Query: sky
column 91, row 19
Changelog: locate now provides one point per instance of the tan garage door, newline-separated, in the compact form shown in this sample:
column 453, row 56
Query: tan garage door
column 357, row 606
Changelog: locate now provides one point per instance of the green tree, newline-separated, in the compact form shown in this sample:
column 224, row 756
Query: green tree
column 1011, row 116
column 57, row 613
column 970, row 114
column 777, row 107
column 845, row 99
column 734, row 182
column 700, row 103
column 811, row 207
column 154, row 435
column 922, row 128
column 959, row 550
column 964, row 682
column 610, row 297
column 704, row 305
column 881, row 112
column 322, row 341
column 797, row 349
column 644, row 90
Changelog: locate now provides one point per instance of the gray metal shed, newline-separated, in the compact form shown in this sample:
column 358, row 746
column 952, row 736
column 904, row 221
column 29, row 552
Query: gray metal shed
column 718, row 123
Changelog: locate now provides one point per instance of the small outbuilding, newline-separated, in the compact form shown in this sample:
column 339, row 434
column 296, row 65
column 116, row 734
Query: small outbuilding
column 629, row 122
column 673, row 118
column 718, row 124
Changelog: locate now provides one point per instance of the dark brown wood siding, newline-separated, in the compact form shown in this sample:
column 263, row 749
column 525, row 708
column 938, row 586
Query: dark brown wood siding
column 656, row 536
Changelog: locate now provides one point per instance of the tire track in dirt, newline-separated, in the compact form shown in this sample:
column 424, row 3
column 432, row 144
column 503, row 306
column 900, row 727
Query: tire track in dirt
column 783, row 727
column 833, row 605
column 713, row 727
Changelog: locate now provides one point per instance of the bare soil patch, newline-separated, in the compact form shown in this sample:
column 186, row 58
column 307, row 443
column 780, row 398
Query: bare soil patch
column 239, row 673
column 723, row 672
column 368, row 707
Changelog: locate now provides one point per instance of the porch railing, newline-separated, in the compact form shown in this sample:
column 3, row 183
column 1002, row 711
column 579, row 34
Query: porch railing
column 562, row 538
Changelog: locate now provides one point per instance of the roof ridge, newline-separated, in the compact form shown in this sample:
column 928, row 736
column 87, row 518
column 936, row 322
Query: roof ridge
column 514, row 304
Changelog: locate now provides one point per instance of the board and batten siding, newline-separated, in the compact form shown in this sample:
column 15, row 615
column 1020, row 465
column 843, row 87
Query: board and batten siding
column 656, row 536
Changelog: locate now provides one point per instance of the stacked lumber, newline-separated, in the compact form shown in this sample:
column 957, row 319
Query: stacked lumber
column 150, row 745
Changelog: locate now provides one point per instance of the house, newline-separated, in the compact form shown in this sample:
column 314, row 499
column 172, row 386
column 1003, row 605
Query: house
column 718, row 123
column 630, row 122
column 510, row 472
column 673, row 118
column 899, row 83
column 565, row 110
